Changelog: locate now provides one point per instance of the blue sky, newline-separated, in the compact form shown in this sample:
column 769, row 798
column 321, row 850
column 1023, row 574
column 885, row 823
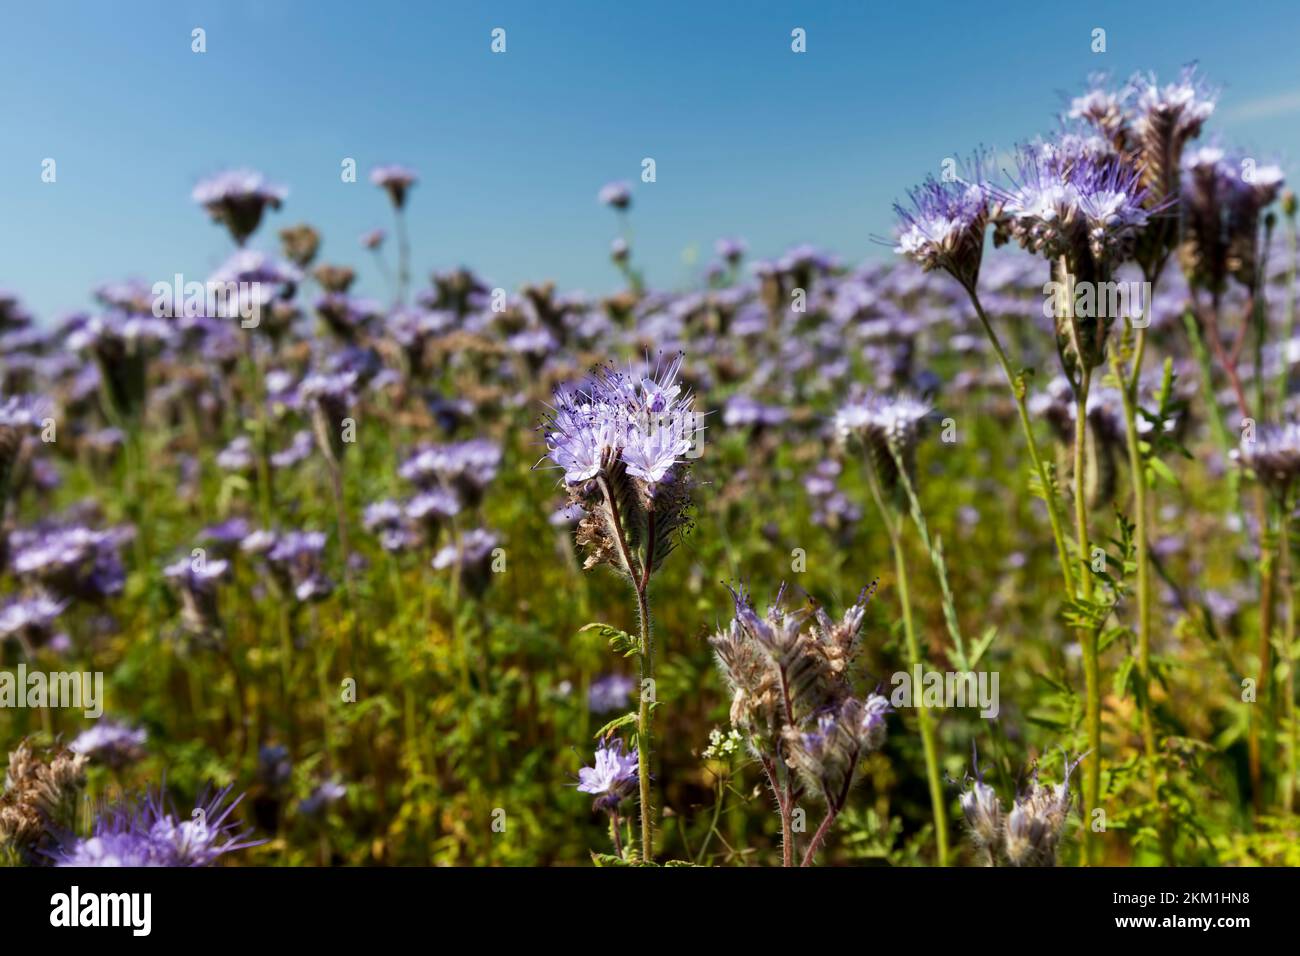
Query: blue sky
column 749, row 138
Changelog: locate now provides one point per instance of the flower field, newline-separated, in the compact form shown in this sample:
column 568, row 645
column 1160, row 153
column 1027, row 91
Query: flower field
column 976, row 551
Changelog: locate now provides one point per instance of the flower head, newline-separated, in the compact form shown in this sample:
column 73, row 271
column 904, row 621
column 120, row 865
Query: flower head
column 145, row 832
column 616, row 195
column 396, row 181
column 613, row 777
column 111, row 743
column 944, row 226
column 889, row 427
column 1272, row 452
column 624, row 442
column 237, row 198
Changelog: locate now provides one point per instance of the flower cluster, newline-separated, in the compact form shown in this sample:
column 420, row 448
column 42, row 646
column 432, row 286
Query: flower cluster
column 145, row 832
column 1272, row 452
column 39, row 800
column 624, row 442
column 1030, row 834
column 1223, row 197
column 889, row 427
column 792, row 693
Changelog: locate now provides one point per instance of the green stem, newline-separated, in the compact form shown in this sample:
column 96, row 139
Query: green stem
column 1049, row 489
column 644, row 730
column 1128, row 387
column 1088, row 636
column 914, row 661
column 1288, row 644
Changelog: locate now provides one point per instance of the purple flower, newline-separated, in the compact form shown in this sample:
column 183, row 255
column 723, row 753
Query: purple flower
column 237, row 198
column 1086, row 209
column 298, row 450
column 71, row 561
column 614, row 776
column 616, row 195
column 146, row 833
column 325, row 794
column 473, row 554
column 387, row 519
column 111, row 743
column 30, row 621
column 396, row 181
column 644, row 423
column 609, row 693
column 731, row 249
column 944, row 227
column 1273, row 454
column 294, row 559
column 1181, row 107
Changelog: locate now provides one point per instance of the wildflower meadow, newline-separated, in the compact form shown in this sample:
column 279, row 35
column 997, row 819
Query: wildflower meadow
column 970, row 545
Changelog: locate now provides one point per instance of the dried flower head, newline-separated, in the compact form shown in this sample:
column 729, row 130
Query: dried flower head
column 39, row 799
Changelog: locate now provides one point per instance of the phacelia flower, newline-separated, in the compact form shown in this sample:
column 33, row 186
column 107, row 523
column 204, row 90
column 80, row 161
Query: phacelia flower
column 614, row 776
column 609, row 693
column 111, row 743
column 1272, row 452
column 624, row 442
column 889, row 427
column 396, row 181
column 944, row 226
column 616, row 195
column 237, row 198
column 145, row 832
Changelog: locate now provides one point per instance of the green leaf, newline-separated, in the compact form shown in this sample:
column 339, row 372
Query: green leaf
column 620, row 642
column 1122, row 676
column 629, row 718
column 981, row 645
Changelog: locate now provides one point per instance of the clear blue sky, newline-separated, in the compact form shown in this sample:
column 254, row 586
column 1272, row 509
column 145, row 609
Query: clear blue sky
column 749, row 138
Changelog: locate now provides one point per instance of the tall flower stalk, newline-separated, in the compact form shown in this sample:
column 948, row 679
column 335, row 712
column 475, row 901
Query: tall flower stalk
column 398, row 181
column 889, row 430
column 624, row 442
column 1222, row 210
